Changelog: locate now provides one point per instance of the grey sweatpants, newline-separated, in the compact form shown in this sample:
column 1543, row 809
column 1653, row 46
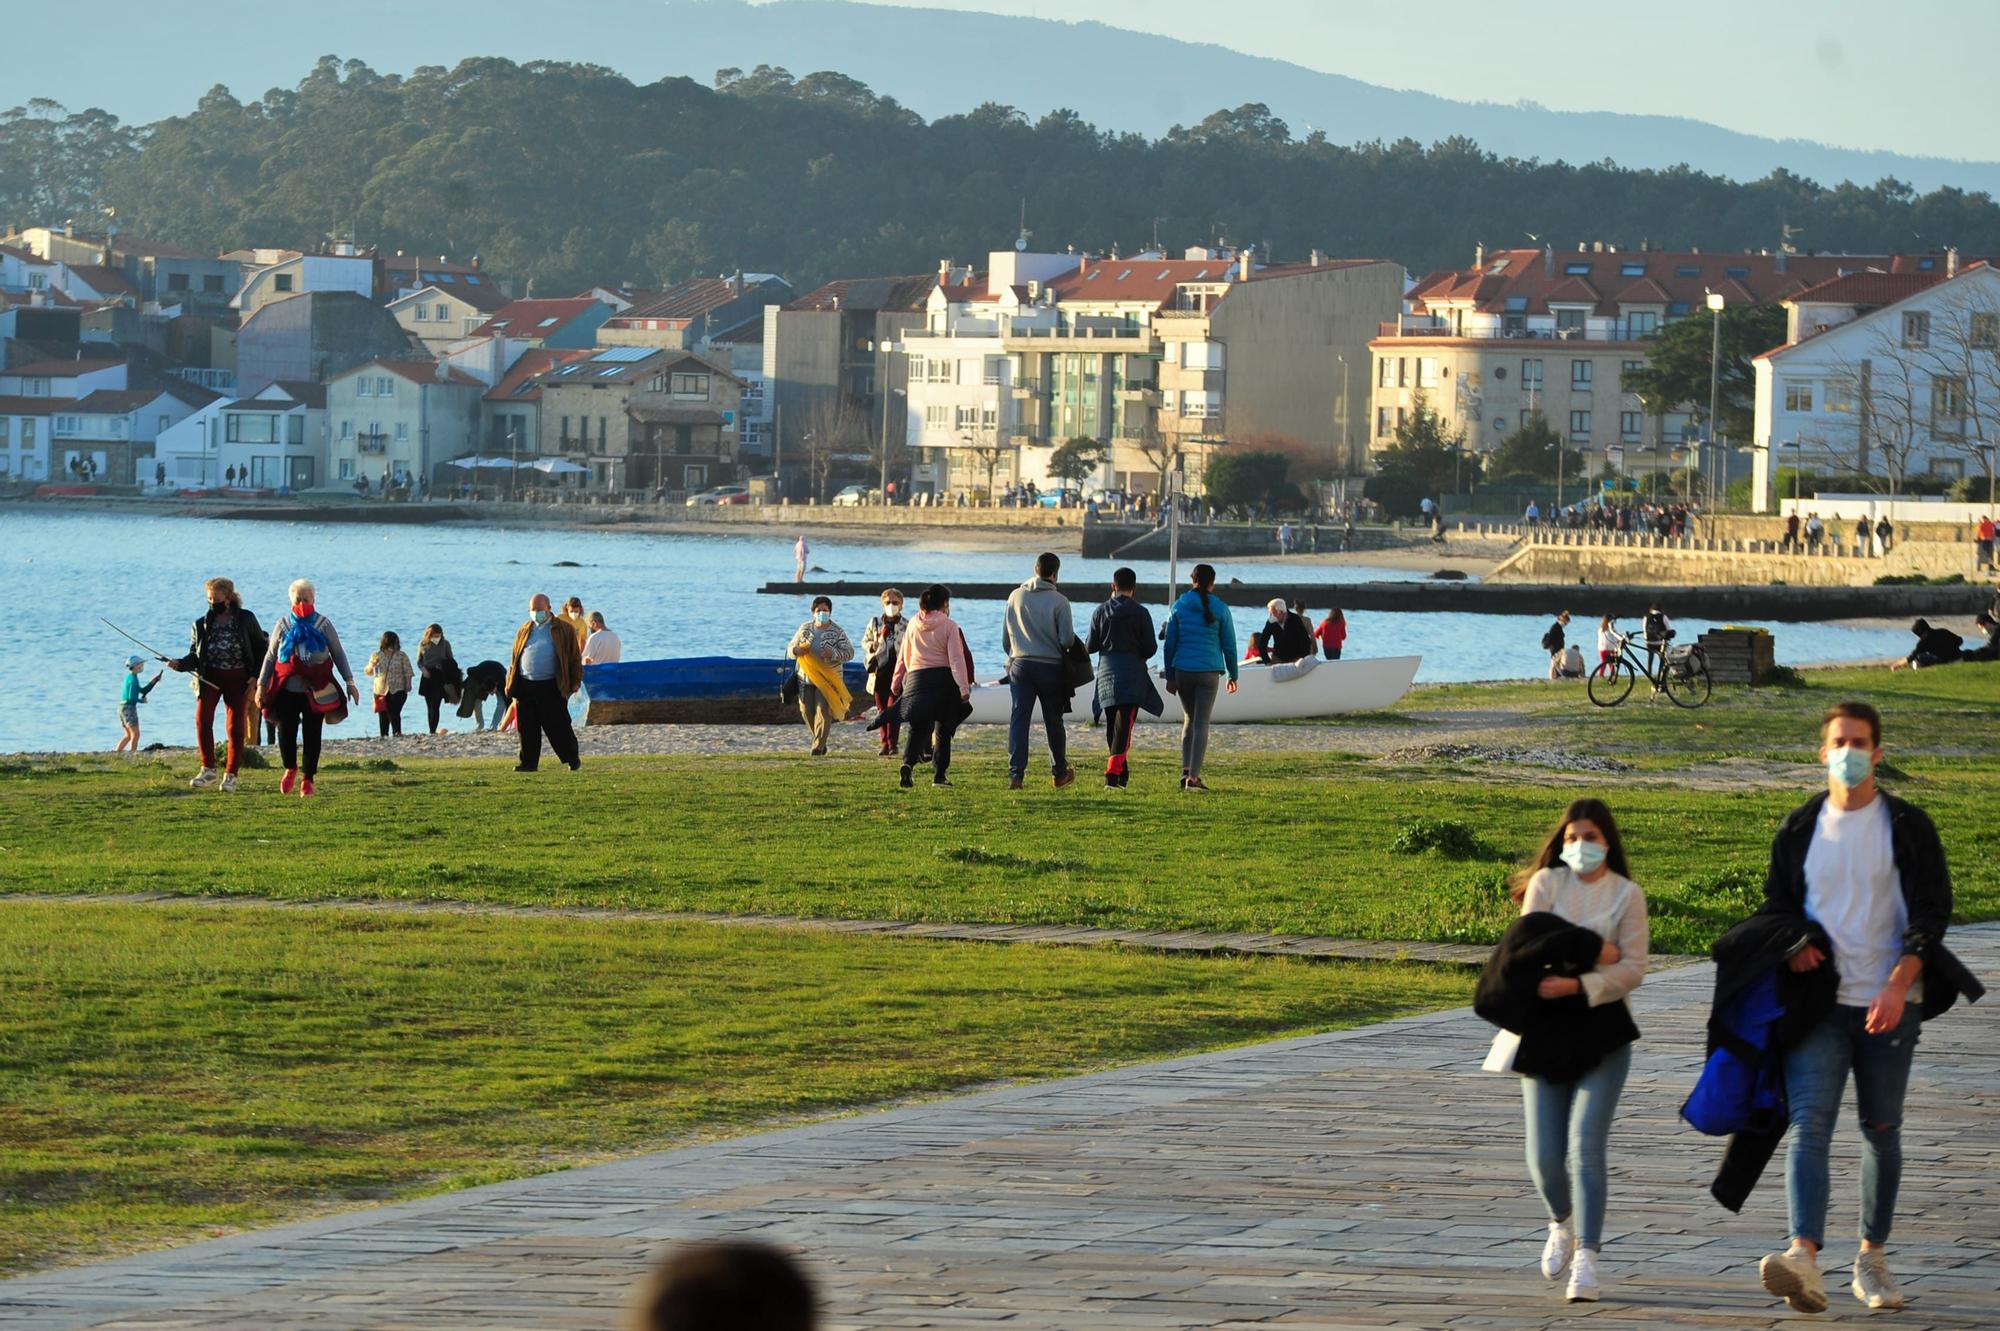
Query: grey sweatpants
column 1198, row 690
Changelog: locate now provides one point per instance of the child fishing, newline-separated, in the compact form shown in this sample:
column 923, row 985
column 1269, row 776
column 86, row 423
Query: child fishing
column 128, row 703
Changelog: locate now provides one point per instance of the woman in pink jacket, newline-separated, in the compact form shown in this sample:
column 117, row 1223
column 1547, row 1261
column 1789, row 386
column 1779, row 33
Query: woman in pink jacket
column 933, row 681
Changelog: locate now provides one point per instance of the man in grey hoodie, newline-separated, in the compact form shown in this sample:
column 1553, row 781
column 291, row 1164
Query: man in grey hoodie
column 1036, row 631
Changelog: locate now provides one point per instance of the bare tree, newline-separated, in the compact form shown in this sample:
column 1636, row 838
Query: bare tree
column 836, row 424
column 1959, row 351
column 1164, row 451
column 986, row 446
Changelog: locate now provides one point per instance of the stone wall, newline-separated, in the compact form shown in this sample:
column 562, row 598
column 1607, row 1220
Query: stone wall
column 1707, row 562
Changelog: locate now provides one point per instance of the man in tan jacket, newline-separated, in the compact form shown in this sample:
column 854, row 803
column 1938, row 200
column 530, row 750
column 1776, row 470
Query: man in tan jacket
column 545, row 669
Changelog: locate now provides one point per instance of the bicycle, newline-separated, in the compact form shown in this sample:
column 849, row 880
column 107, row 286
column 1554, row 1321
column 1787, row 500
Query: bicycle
column 1682, row 675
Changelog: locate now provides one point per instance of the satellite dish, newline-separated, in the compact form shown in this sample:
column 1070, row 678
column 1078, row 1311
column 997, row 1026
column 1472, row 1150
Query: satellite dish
column 1021, row 244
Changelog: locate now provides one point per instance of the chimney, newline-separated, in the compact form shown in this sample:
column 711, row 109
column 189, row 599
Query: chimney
column 1243, row 263
column 1951, row 261
column 1548, row 261
column 1783, row 251
column 475, row 263
column 1083, row 265
column 944, row 272
column 1317, row 257
column 1478, row 255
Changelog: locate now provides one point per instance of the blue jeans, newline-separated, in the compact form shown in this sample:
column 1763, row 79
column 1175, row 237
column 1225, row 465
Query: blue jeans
column 1035, row 682
column 1568, row 1125
column 1815, row 1082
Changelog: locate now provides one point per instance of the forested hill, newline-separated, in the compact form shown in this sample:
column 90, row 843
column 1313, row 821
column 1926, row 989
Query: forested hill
column 569, row 174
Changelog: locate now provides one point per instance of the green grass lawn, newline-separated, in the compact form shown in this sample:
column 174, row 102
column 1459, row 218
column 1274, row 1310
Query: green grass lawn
column 172, row 1072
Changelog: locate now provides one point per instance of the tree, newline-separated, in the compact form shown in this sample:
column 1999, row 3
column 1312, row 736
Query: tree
column 1531, row 450
column 836, row 424
column 1251, row 479
column 1425, row 449
column 1076, row 460
column 1676, row 374
column 1164, row 451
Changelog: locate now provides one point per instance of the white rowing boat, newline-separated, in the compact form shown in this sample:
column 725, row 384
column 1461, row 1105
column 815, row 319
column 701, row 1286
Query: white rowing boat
column 1264, row 693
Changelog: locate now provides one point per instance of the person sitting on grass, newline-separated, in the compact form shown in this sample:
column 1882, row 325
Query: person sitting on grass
column 726, row 1287
column 1935, row 647
column 128, row 703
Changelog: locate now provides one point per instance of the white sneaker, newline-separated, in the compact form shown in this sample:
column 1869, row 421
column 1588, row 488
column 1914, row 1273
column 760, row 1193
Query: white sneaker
column 1583, row 1277
column 228, row 786
column 1873, row 1284
column 205, row 777
column 1558, row 1250
column 1794, row 1277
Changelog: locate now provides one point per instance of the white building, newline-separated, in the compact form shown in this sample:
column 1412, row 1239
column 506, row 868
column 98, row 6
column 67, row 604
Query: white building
column 24, row 436
column 401, row 419
column 276, row 440
column 1886, row 375
column 271, row 274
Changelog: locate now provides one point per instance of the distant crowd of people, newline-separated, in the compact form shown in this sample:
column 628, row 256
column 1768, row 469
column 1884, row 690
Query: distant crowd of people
column 1668, row 521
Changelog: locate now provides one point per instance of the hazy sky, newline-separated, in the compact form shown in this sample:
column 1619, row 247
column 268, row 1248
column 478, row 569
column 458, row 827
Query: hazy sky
column 1911, row 76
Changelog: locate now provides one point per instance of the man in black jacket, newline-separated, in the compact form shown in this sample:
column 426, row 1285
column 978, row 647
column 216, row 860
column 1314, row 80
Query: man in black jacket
column 1285, row 637
column 1868, row 868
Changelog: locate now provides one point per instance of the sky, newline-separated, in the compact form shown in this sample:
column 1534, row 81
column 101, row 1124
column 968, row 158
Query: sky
column 1913, row 76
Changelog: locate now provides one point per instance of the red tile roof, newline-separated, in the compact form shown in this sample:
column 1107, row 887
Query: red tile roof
column 104, row 281
column 34, row 406
column 519, row 383
column 687, row 300
column 899, row 295
column 117, row 401
column 1871, row 288
column 416, row 371
column 1139, row 281
column 62, row 369
column 525, row 318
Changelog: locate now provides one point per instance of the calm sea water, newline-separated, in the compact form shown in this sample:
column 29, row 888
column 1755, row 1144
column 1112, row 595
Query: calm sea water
column 666, row 595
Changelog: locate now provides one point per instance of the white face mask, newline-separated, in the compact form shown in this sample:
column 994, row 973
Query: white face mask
column 1586, row 857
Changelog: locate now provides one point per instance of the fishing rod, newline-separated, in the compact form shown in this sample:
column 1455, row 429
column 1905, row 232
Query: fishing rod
column 157, row 654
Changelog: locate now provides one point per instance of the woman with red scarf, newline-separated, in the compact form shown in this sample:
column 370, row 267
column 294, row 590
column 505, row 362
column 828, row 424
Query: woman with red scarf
column 297, row 686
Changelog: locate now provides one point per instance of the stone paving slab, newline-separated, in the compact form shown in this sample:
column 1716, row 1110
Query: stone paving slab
column 1306, row 947
column 1361, row 1179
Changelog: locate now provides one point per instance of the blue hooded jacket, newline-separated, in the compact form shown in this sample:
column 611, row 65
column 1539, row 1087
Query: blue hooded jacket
column 1195, row 643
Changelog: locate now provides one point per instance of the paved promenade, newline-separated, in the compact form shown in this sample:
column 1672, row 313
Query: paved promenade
column 1357, row 1180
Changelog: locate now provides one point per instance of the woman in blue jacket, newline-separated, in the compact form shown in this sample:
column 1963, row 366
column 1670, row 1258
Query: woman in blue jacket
column 1201, row 649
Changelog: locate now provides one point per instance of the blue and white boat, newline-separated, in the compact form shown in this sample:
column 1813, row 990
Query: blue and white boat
column 720, row 690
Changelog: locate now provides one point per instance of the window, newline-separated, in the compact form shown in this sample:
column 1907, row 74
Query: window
column 384, row 386
column 1579, row 425
column 1626, row 367
column 995, row 369
column 347, row 469
column 937, row 417
column 364, row 386
column 1500, row 423
column 547, row 323
column 177, row 281
column 1986, row 331
column 1677, row 309
column 565, row 429
column 1628, row 426
column 1948, row 405
column 1580, row 372
column 967, row 418
column 989, row 418
column 1517, row 305
column 1571, row 319
column 423, row 312
column 1204, row 355
column 1839, row 395
column 295, row 429
column 1577, row 268
column 1385, row 373
column 1402, row 372
column 1736, row 272
column 6, row 427
column 1427, row 372
column 1168, row 400
column 602, row 432
column 690, row 386
column 1798, row 396
column 1642, row 323
column 402, row 432
column 1632, row 268
column 282, row 282
column 212, row 284
column 346, row 431
column 1531, row 376
column 66, row 424
column 1381, row 422
column 1916, row 329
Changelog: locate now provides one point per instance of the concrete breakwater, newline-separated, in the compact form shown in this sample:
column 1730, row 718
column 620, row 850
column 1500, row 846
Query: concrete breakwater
column 1751, row 603
column 1559, row 557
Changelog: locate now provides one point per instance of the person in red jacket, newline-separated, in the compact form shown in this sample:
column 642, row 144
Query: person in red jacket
column 1332, row 633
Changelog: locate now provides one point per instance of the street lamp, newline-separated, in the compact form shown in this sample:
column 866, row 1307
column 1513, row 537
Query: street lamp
column 1798, row 465
column 1715, row 304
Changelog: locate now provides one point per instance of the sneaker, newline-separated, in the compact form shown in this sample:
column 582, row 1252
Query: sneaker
column 1111, row 780
column 1066, row 777
column 1558, row 1250
column 1873, row 1284
column 288, row 781
column 228, row 786
column 205, row 777
column 306, row 788
column 904, row 780
column 1583, row 1277
column 1013, row 783
column 1194, row 783
column 940, row 781
column 1794, row 1277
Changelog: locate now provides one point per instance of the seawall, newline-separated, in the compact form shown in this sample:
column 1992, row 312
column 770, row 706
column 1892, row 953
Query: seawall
column 1598, row 559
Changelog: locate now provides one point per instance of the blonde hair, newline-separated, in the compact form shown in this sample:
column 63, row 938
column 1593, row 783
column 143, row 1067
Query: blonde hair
column 227, row 588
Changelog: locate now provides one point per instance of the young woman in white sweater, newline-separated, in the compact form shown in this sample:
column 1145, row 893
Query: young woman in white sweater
column 1581, row 874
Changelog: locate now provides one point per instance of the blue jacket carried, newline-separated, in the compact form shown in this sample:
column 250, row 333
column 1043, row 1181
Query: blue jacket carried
column 1200, row 635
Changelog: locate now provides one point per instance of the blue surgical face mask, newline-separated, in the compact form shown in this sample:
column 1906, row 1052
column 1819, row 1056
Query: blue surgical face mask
column 1586, row 857
column 822, row 617
column 1849, row 766
column 542, row 616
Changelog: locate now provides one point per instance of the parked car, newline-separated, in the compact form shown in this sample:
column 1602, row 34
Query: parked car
column 721, row 494
column 854, row 496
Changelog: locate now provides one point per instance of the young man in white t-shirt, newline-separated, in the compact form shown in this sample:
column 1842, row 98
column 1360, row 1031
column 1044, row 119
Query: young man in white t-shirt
column 1868, row 868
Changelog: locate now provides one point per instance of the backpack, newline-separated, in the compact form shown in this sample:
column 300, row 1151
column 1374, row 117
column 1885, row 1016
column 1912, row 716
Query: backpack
column 302, row 640
column 1552, row 641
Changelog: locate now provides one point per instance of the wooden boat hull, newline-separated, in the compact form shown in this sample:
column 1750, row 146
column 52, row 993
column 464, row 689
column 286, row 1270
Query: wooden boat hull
column 1328, row 689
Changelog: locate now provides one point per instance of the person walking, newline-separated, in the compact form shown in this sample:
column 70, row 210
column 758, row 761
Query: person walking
column 601, row 646
column 1332, row 634
column 820, row 648
column 881, row 645
column 1585, row 919
column 1200, row 650
column 1035, row 635
column 130, row 696
column 545, row 668
column 1885, row 535
column 226, row 648
column 1863, row 535
column 932, row 684
column 438, row 676
column 390, row 668
column 1868, row 868
column 1984, row 537
column 1285, row 636
column 1122, row 639
column 1553, row 642
column 295, row 684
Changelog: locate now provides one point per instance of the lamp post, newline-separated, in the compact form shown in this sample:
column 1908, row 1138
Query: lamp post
column 1715, row 304
column 1798, row 465
column 1344, row 441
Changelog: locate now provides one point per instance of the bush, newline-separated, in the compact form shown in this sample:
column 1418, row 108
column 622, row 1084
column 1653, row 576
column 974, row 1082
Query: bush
column 1400, row 493
column 1448, row 837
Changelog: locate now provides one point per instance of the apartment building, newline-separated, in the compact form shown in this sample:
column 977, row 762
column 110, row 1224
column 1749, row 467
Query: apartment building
column 400, row 418
column 1528, row 330
column 1892, row 375
column 275, row 440
column 1160, row 360
column 439, row 316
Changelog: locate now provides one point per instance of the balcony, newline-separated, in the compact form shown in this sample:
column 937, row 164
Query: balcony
column 1024, row 389
column 1120, row 334
column 1619, row 331
column 1144, row 394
